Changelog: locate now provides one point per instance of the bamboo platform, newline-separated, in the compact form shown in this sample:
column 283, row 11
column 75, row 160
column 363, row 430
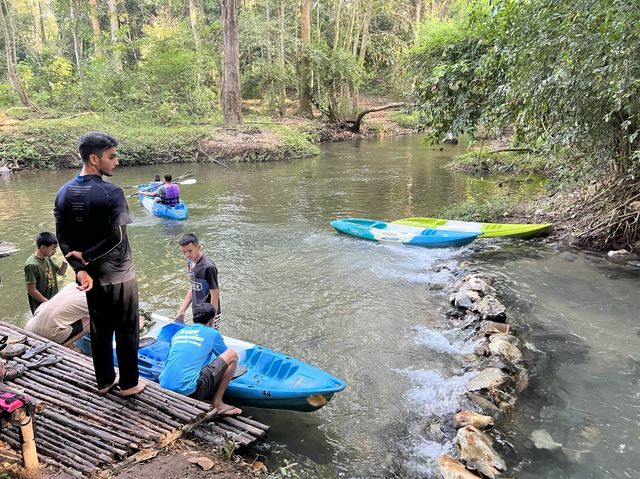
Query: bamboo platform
column 84, row 433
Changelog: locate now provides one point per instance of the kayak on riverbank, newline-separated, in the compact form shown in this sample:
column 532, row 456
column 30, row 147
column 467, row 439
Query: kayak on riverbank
column 393, row 233
column 485, row 230
column 272, row 380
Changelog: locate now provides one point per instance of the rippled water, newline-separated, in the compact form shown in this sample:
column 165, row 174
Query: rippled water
column 363, row 311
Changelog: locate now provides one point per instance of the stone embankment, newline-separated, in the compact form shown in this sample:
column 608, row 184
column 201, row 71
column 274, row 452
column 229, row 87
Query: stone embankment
column 491, row 394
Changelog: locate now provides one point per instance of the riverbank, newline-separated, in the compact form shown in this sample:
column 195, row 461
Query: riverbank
column 598, row 213
column 28, row 143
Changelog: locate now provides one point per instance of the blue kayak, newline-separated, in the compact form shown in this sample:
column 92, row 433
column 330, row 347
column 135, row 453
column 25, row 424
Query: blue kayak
column 272, row 380
column 394, row 233
column 176, row 212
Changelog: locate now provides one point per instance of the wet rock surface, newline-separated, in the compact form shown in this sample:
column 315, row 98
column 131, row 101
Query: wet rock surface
column 477, row 452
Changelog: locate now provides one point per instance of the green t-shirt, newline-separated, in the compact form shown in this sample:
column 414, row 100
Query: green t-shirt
column 42, row 272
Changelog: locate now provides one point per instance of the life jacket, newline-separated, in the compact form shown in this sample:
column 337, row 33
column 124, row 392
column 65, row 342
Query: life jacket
column 171, row 195
column 10, row 401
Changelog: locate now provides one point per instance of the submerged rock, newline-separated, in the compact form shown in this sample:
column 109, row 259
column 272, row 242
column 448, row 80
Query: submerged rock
column 489, row 378
column 476, row 450
column 580, row 442
column 477, row 401
column 470, row 418
column 451, row 468
column 490, row 308
column 543, row 440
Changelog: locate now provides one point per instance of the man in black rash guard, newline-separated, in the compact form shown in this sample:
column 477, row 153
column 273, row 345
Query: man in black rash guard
column 91, row 218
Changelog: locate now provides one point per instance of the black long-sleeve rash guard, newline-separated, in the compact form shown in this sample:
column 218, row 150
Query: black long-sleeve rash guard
column 91, row 217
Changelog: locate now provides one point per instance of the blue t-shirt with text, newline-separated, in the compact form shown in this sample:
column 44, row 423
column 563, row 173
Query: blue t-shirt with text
column 192, row 348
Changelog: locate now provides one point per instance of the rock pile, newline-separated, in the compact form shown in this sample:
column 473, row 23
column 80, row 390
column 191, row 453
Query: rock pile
column 491, row 394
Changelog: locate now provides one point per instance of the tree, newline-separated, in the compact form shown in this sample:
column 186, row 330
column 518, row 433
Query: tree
column 114, row 25
column 231, row 67
column 9, row 49
column 95, row 25
column 305, row 81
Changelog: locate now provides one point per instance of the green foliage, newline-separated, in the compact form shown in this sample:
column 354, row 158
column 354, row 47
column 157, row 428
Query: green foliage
column 566, row 75
column 8, row 96
column 488, row 211
column 485, row 162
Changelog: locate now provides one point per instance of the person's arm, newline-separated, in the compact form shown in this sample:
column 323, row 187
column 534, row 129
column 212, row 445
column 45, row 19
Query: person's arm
column 63, row 234
column 113, row 238
column 183, row 307
column 62, row 269
column 35, row 294
column 215, row 299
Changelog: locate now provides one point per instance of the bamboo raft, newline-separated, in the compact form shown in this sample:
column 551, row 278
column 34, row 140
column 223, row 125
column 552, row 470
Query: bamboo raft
column 84, row 433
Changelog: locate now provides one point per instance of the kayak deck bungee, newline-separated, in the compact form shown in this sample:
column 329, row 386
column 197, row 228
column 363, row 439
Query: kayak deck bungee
column 389, row 233
column 486, row 230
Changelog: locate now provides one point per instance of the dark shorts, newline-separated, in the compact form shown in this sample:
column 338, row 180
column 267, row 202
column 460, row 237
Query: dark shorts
column 210, row 377
column 76, row 328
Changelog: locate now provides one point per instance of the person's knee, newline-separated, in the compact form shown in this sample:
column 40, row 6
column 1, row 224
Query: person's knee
column 230, row 356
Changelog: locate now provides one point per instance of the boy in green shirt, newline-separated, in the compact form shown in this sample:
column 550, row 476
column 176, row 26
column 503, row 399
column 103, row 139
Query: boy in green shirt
column 40, row 271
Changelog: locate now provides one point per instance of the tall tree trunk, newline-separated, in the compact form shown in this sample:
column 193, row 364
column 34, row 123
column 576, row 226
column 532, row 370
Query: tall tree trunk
column 283, row 93
column 416, row 21
column 193, row 22
column 305, row 84
column 12, row 71
column 352, row 21
column 52, row 26
column 336, row 31
column 40, row 37
column 95, row 25
column 231, row 66
column 365, row 31
column 363, row 49
column 114, row 26
column 73, row 15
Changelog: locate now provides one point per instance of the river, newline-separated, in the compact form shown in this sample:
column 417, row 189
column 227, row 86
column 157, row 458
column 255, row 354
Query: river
column 369, row 313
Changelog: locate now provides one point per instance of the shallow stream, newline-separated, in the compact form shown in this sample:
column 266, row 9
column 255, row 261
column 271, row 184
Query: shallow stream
column 370, row 313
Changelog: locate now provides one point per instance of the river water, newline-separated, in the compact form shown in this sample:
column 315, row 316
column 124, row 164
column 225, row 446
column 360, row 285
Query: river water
column 369, row 313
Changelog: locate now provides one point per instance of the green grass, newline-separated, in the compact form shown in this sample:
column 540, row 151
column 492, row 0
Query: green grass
column 485, row 162
column 405, row 120
column 52, row 143
column 485, row 211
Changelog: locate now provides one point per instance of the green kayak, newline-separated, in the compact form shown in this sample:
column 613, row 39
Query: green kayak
column 487, row 230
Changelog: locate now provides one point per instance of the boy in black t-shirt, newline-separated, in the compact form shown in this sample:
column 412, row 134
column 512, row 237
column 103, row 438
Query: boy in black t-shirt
column 203, row 276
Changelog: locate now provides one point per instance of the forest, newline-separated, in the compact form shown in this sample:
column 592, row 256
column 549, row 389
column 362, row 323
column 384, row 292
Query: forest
column 560, row 79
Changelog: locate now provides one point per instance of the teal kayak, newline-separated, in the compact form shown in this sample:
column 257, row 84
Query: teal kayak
column 410, row 235
column 272, row 380
column 176, row 212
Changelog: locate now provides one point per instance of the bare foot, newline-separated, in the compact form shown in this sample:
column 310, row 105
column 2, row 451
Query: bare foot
column 228, row 410
column 124, row 393
column 108, row 388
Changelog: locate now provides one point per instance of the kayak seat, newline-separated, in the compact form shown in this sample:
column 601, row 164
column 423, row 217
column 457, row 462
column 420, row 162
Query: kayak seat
column 169, row 330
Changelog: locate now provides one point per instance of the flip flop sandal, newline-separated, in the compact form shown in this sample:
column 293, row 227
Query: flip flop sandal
column 35, row 350
column 17, row 340
column 240, row 370
column 48, row 360
column 12, row 350
column 3, row 342
column 13, row 370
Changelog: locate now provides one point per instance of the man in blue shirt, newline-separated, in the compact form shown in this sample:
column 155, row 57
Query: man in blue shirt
column 199, row 364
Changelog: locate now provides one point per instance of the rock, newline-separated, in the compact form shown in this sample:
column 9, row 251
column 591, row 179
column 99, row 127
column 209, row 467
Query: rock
column 465, row 299
column 491, row 327
column 489, row 378
column 510, row 338
column 450, row 139
column 451, row 468
column 474, row 283
column 482, row 349
column 496, row 361
column 485, row 406
column 617, row 253
column 505, row 349
column 476, row 450
column 470, row 418
column 634, row 206
column 490, row 308
column 580, row 443
column 543, row 440
column 521, row 379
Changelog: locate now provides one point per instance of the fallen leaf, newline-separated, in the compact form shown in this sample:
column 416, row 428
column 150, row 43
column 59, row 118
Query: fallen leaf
column 204, row 462
column 259, row 466
column 145, row 455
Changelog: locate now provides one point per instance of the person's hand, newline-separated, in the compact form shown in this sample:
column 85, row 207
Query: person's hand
column 77, row 255
column 86, row 281
column 179, row 317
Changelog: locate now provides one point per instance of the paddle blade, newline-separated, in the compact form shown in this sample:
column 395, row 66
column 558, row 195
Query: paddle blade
column 188, row 182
